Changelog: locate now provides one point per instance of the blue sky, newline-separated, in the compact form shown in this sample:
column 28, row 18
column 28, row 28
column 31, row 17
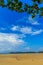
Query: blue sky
column 19, row 32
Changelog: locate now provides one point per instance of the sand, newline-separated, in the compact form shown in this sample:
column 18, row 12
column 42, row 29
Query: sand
column 21, row 59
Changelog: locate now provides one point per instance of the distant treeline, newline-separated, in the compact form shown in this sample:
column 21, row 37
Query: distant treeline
column 22, row 52
column 25, row 52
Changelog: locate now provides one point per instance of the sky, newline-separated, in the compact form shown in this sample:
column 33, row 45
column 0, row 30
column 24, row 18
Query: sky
column 19, row 32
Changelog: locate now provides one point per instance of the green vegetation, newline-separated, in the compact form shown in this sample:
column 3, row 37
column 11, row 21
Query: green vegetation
column 16, row 5
column 25, row 52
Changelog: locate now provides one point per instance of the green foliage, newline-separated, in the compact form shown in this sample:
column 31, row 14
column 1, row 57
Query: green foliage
column 26, row 7
column 17, row 6
column 38, row 1
column 41, row 11
column 16, row 1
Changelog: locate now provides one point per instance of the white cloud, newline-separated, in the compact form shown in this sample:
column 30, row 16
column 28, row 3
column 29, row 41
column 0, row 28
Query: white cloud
column 8, row 41
column 24, row 30
column 27, row 30
column 32, row 21
column 37, row 32
column 14, row 28
column 11, row 38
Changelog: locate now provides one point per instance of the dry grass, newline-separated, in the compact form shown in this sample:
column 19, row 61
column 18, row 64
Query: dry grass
column 21, row 59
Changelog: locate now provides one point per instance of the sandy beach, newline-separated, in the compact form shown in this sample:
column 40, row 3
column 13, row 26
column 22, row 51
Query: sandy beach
column 21, row 59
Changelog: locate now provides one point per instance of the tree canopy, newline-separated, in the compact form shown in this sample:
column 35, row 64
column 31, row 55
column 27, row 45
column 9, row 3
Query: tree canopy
column 18, row 6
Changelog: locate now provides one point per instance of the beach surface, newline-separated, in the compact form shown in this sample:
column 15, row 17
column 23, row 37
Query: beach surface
column 21, row 59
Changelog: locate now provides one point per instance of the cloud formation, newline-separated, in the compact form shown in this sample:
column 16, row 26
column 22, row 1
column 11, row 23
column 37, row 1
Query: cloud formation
column 37, row 32
column 32, row 21
column 15, row 28
column 27, row 30
column 11, row 38
column 8, row 41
